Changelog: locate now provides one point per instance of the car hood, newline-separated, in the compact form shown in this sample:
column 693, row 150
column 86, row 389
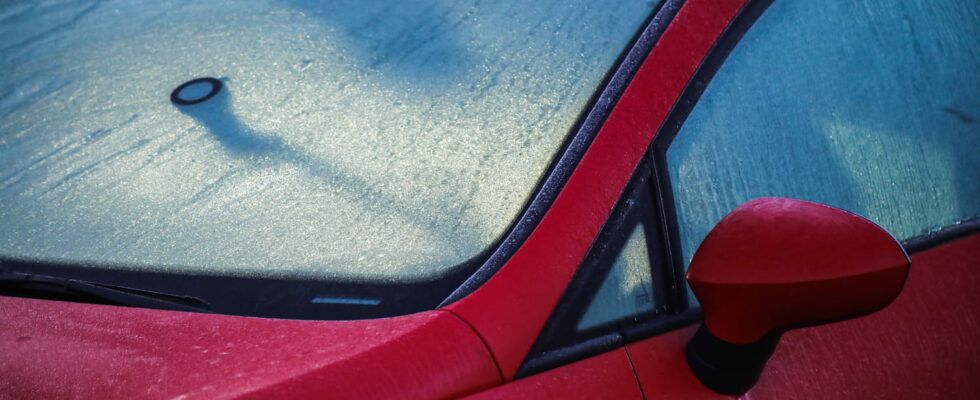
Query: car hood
column 56, row 349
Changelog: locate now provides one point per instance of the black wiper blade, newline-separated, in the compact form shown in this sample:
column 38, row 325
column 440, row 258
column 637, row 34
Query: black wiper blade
column 57, row 288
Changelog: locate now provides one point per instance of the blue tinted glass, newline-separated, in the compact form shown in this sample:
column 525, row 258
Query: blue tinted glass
column 870, row 106
column 628, row 289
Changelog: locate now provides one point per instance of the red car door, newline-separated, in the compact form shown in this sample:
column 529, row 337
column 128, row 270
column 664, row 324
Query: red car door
column 891, row 112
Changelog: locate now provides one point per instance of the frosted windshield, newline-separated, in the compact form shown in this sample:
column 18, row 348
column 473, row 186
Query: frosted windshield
column 375, row 141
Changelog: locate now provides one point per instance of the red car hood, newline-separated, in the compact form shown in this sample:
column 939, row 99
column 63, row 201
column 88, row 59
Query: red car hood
column 54, row 349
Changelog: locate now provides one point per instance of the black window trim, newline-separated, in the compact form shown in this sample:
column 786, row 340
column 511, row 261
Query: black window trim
column 560, row 341
column 944, row 235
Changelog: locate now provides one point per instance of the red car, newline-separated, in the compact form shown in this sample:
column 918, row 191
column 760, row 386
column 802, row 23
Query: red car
column 426, row 200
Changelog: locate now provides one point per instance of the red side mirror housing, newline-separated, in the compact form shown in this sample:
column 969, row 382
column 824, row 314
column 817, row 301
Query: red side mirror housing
column 774, row 264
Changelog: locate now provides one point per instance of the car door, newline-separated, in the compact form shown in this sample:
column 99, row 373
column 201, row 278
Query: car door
column 867, row 106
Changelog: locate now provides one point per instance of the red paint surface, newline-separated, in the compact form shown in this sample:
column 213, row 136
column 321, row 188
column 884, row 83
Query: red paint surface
column 662, row 368
column 606, row 376
column 922, row 346
column 925, row 345
column 56, row 350
column 511, row 308
column 775, row 263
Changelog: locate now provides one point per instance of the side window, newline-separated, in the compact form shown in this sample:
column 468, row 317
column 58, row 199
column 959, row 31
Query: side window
column 625, row 286
column 870, row 106
column 628, row 288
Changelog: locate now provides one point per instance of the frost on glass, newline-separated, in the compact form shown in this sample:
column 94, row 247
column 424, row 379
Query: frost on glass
column 377, row 140
column 627, row 290
column 870, row 106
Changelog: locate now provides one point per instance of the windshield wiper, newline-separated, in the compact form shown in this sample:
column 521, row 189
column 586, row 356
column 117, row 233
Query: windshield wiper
column 22, row 284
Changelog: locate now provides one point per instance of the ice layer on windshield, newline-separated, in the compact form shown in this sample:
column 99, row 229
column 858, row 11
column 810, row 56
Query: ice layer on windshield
column 379, row 141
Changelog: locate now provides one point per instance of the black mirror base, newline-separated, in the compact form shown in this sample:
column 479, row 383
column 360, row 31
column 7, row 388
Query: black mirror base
column 728, row 368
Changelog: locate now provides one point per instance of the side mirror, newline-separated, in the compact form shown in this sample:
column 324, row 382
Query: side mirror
column 775, row 264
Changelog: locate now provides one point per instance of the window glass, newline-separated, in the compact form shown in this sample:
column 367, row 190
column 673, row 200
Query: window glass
column 870, row 106
column 627, row 289
column 377, row 141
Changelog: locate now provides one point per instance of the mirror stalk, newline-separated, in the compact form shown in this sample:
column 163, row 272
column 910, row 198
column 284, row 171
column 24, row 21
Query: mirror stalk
column 728, row 368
